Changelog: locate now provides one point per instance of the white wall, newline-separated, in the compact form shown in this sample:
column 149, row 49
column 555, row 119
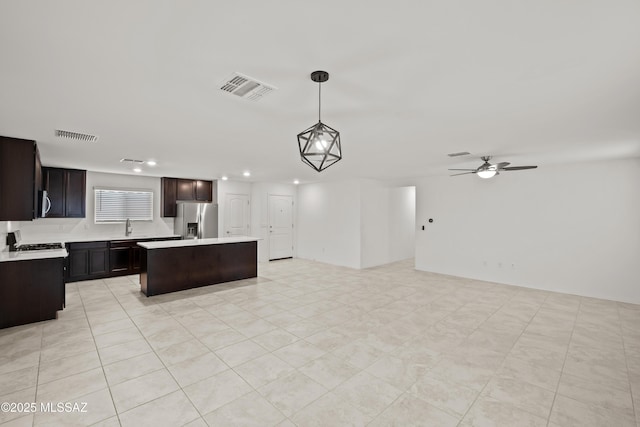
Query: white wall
column 374, row 223
column 260, row 192
column 329, row 222
column 402, row 223
column 571, row 228
column 87, row 226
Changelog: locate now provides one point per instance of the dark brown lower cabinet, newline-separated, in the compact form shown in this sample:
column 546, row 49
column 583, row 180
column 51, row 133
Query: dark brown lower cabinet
column 31, row 291
column 97, row 260
column 120, row 257
column 87, row 260
column 125, row 256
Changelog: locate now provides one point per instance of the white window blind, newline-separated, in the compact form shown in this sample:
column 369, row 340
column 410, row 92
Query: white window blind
column 116, row 205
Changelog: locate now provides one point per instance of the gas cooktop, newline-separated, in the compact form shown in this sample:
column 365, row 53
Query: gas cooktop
column 40, row 247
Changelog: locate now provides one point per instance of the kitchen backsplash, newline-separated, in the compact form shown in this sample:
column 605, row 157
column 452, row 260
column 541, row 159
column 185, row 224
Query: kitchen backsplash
column 4, row 228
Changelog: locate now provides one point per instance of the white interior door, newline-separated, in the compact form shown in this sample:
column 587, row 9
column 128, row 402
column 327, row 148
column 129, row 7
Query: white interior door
column 236, row 215
column 280, row 227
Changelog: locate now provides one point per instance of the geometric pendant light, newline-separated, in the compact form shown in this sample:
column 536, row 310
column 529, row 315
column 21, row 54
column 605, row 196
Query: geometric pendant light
column 320, row 144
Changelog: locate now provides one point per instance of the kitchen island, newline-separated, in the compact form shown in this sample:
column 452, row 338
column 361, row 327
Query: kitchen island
column 176, row 265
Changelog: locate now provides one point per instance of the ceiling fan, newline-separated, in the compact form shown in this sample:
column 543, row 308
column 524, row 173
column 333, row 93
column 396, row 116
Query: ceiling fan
column 487, row 170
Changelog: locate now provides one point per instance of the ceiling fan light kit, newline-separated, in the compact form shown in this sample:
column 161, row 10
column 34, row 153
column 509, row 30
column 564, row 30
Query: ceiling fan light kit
column 487, row 173
column 319, row 144
column 488, row 170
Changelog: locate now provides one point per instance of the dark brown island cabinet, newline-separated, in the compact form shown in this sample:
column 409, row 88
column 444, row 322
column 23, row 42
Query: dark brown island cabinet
column 31, row 291
column 190, row 264
column 20, row 179
column 66, row 189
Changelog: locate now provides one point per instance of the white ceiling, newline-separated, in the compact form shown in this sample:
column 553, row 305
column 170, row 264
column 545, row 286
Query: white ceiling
column 533, row 82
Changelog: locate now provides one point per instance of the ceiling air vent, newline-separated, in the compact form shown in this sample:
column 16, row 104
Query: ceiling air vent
column 75, row 136
column 246, row 87
column 461, row 153
column 134, row 161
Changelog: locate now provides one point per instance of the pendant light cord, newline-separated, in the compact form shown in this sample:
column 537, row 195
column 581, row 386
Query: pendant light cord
column 319, row 99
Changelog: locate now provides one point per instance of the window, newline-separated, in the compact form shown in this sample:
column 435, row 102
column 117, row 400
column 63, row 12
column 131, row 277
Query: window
column 117, row 205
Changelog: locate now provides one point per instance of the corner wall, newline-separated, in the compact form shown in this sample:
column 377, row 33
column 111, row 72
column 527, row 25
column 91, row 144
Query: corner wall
column 571, row 228
column 329, row 222
column 358, row 223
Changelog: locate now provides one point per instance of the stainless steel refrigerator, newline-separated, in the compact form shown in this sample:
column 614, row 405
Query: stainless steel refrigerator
column 197, row 220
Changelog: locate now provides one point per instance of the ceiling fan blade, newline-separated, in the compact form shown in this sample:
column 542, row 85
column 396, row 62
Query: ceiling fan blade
column 463, row 173
column 472, row 170
column 502, row 165
column 519, row 168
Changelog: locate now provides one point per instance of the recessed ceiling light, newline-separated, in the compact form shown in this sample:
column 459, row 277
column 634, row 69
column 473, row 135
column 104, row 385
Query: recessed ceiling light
column 151, row 163
column 296, row 182
column 137, row 170
column 224, row 177
column 246, row 173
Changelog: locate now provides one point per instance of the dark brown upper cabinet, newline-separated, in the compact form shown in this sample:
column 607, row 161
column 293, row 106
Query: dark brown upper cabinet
column 66, row 189
column 169, row 195
column 203, row 191
column 20, row 179
column 184, row 190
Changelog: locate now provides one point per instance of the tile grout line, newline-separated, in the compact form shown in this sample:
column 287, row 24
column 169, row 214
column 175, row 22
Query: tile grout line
column 35, row 396
column 153, row 350
column 197, row 339
column 626, row 362
column 405, row 391
column 429, row 370
column 84, row 308
column 566, row 355
column 504, row 358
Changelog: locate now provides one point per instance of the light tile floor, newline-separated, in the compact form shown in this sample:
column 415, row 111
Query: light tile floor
column 309, row 344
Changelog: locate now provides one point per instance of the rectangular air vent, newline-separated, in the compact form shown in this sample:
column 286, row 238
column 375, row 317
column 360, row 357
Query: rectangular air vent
column 137, row 162
column 246, row 87
column 75, row 136
column 461, row 153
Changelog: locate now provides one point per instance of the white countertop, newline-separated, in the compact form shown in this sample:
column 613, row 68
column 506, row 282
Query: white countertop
column 65, row 238
column 196, row 242
column 31, row 255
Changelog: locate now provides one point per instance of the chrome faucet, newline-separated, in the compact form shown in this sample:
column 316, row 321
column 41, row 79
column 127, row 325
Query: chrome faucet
column 128, row 228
